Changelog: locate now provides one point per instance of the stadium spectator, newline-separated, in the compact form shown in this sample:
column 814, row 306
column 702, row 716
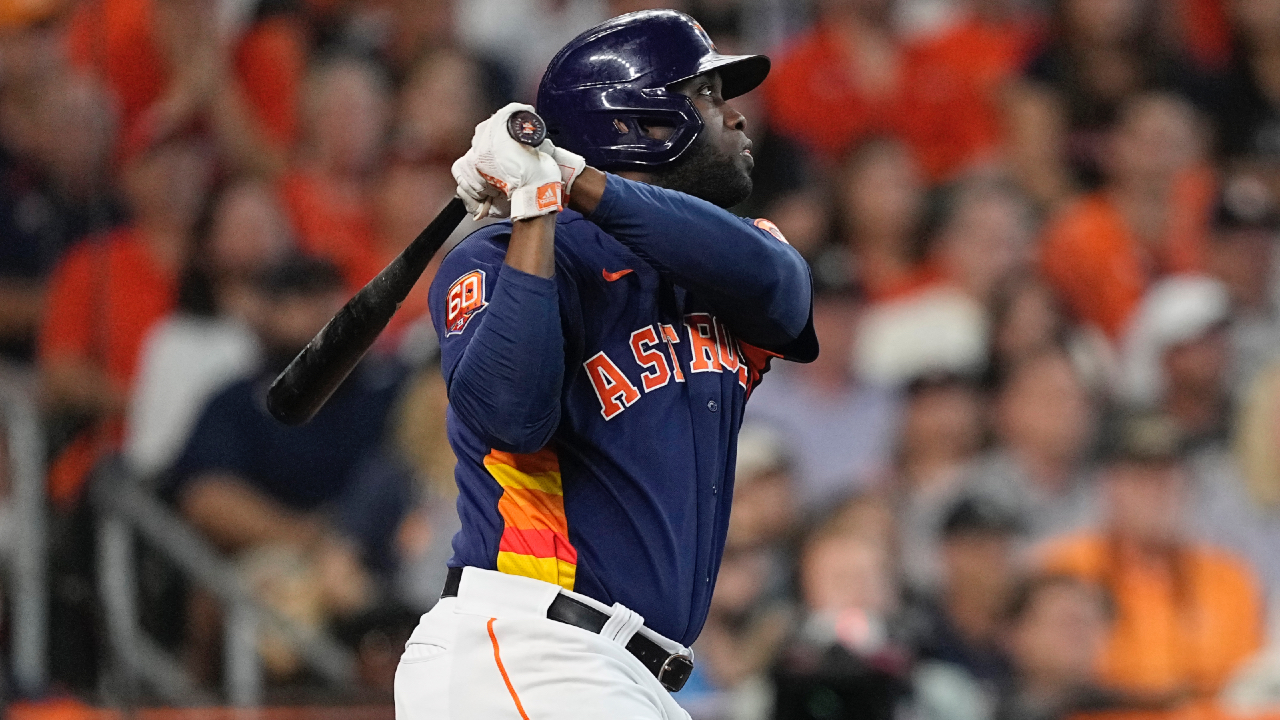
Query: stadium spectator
column 1027, row 320
column 1248, row 111
column 1098, row 56
column 414, row 29
column 425, row 538
column 980, row 231
column 1179, row 360
column 763, row 489
column 209, row 341
column 1037, row 466
column 942, row 431
column 841, row 430
column 1246, row 225
column 247, row 481
column 940, row 96
column 309, row 514
column 56, row 188
column 1177, row 356
column 976, row 232
column 844, row 660
column 106, row 294
column 328, row 193
column 960, row 632
column 752, row 611
column 848, row 70
column 1102, row 251
column 958, row 86
column 883, row 140
column 437, row 109
column 173, row 64
column 881, row 202
column 524, row 46
column 1057, row 632
column 1187, row 615
column 436, row 112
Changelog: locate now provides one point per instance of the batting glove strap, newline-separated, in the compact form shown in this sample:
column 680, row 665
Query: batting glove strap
column 531, row 201
column 571, row 164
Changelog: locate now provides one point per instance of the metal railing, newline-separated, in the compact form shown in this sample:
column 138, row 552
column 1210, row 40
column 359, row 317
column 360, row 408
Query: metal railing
column 27, row 556
column 127, row 513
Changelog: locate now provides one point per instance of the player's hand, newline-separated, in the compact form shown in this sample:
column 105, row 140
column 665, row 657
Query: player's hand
column 571, row 164
column 480, row 198
column 530, row 180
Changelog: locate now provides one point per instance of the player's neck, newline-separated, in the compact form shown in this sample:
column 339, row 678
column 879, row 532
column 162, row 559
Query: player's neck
column 636, row 175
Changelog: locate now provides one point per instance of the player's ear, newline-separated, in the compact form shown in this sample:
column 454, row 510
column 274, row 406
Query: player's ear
column 657, row 129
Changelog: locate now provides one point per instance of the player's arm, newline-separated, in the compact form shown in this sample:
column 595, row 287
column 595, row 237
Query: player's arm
column 755, row 283
column 502, row 346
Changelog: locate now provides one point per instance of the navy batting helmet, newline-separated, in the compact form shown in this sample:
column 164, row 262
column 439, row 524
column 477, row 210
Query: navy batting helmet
column 610, row 82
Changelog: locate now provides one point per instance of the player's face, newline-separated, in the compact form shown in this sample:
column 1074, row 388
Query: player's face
column 725, row 129
column 717, row 167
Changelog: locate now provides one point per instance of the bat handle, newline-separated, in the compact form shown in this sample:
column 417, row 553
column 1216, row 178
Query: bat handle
column 526, row 128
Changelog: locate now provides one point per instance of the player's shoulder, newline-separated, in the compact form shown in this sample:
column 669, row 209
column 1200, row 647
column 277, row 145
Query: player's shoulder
column 581, row 243
column 484, row 249
column 483, row 243
column 766, row 226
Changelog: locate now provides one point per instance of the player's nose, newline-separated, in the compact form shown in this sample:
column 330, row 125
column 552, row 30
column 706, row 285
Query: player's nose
column 733, row 119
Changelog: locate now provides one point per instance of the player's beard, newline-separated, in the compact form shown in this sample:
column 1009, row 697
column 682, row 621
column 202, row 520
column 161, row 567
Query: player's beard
column 705, row 172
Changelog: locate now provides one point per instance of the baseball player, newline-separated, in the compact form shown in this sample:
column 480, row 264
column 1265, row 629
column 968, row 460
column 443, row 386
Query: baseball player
column 599, row 349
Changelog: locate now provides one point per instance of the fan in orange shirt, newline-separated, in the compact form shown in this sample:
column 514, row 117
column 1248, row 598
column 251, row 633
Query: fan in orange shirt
column 328, row 193
column 105, row 295
column 169, row 65
column 851, row 77
column 1187, row 616
column 841, row 82
column 954, row 106
column 1151, row 219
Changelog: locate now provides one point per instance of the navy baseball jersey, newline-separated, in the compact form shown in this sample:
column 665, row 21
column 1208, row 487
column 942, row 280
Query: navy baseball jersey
column 595, row 415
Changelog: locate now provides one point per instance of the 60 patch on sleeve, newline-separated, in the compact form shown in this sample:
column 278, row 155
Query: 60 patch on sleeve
column 466, row 298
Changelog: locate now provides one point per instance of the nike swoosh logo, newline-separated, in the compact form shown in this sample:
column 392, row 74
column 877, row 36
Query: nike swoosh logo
column 611, row 276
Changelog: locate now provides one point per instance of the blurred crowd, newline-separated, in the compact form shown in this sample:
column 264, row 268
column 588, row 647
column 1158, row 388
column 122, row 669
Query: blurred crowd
column 1035, row 472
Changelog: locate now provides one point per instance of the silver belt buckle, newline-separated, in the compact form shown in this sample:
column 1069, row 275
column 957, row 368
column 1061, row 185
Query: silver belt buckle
column 675, row 672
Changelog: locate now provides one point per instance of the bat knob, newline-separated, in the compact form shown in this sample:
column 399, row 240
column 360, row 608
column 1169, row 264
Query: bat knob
column 527, row 128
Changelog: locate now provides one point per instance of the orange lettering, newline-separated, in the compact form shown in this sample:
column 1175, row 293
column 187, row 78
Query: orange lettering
column 613, row 389
column 672, row 337
column 656, row 372
column 702, row 339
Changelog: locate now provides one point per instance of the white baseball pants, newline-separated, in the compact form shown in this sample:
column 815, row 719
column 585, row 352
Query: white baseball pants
column 492, row 654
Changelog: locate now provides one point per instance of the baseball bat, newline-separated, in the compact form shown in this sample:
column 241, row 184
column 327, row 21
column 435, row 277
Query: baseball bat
column 312, row 377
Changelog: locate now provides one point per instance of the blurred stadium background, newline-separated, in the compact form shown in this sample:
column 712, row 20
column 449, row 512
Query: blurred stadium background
column 1034, row 475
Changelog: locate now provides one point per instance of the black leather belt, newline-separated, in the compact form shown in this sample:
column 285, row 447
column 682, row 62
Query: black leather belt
column 672, row 670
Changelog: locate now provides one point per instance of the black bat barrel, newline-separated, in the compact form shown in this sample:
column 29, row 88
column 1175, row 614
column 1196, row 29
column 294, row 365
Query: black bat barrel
column 312, row 377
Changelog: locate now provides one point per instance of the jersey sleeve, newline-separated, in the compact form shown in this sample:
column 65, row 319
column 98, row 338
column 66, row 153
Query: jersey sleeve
column 753, row 279
column 501, row 343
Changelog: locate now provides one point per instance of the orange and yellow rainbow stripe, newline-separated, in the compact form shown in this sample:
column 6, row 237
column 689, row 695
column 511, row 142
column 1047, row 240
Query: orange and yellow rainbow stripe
column 535, row 538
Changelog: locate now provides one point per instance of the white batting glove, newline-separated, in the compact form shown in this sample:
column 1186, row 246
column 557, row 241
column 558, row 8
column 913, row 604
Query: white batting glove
column 529, row 179
column 571, row 164
column 480, row 198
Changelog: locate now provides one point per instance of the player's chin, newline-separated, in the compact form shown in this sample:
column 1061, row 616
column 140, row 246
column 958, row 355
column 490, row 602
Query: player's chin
column 735, row 190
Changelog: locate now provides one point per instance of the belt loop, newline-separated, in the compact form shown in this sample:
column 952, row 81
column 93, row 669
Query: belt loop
column 622, row 624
